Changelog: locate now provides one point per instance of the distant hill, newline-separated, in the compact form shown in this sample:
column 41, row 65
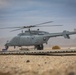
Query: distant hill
column 62, row 42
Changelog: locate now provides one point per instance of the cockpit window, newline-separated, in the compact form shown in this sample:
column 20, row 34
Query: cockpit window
column 34, row 32
column 40, row 33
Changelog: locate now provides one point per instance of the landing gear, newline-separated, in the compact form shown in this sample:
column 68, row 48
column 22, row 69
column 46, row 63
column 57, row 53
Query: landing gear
column 14, row 47
column 6, row 47
column 39, row 47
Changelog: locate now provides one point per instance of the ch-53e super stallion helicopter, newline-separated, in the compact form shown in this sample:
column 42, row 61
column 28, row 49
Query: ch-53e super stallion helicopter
column 34, row 37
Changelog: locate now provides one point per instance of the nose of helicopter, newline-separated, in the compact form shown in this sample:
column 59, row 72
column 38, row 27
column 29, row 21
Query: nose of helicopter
column 7, row 43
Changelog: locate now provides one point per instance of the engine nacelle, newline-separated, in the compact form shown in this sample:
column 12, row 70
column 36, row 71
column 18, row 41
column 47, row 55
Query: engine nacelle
column 66, row 34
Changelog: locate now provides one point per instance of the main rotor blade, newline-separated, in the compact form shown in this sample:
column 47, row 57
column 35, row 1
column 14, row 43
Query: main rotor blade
column 43, row 23
column 9, row 27
column 16, row 29
column 49, row 25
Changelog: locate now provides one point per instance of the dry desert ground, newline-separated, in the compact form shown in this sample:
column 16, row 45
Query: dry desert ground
column 37, row 65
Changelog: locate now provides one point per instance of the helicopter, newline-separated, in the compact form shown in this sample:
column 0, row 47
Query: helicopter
column 34, row 38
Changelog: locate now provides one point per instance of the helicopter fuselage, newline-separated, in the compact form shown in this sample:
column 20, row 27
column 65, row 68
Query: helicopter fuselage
column 29, row 38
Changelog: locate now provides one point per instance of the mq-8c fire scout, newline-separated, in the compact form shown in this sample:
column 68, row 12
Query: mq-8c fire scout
column 34, row 38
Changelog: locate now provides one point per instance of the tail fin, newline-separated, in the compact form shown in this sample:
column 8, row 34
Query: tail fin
column 66, row 34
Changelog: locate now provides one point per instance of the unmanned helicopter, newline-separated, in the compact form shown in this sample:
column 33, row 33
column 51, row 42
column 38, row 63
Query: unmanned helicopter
column 34, row 38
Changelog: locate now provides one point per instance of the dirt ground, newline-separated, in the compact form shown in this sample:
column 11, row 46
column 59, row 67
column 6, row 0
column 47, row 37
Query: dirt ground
column 37, row 65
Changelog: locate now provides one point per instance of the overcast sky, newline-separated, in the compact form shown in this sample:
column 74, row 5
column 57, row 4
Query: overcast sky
column 28, row 12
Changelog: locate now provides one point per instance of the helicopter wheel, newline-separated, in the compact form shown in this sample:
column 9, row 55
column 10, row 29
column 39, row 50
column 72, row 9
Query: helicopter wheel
column 39, row 47
column 6, row 47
